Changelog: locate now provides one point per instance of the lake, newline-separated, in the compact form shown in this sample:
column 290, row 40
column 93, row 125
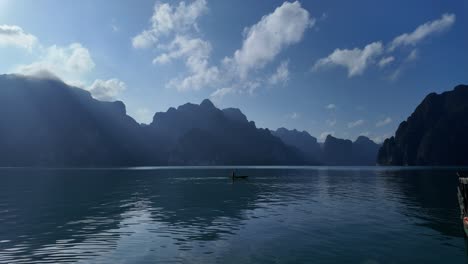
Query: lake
column 199, row 215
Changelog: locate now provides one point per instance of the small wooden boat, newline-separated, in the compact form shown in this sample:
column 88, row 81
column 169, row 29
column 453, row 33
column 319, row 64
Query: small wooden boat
column 463, row 199
column 238, row 177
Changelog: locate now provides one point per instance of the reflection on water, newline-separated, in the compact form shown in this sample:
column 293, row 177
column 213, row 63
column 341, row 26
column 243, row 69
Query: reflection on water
column 283, row 215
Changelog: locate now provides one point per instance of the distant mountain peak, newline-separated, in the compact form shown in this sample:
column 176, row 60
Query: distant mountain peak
column 235, row 114
column 120, row 106
column 207, row 103
column 363, row 139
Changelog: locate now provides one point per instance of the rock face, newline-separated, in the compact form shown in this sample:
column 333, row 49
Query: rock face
column 334, row 151
column 434, row 134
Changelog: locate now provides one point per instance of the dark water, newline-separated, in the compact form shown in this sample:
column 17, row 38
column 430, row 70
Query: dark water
column 280, row 215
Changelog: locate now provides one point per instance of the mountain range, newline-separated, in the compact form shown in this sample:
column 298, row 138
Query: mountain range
column 46, row 123
column 333, row 151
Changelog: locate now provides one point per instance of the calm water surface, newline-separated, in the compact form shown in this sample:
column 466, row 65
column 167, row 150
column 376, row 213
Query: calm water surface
column 279, row 215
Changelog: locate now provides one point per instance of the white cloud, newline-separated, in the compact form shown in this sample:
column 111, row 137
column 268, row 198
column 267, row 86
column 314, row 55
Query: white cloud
column 324, row 135
column 423, row 31
column 144, row 40
column 355, row 123
column 107, row 90
column 355, row 60
column 281, row 75
column 169, row 19
column 185, row 47
column 383, row 122
column 11, row 35
column 330, row 122
column 261, row 44
column 265, row 40
column 330, row 106
column 220, row 93
column 178, row 20
column 196, row 53
column 386, row 61
column 69, row 63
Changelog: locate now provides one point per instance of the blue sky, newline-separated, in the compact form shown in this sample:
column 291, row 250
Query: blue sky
column 347, row 68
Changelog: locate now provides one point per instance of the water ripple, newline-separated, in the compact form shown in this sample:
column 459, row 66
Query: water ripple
column 201, row 216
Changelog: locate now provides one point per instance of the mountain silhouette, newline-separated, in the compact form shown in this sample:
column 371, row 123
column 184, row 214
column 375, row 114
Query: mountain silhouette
column 334, row 151
column 301, row 140
column 47, row 123
column 337, row 151
column 365, row 151
column 205, row 135
column 434, row 134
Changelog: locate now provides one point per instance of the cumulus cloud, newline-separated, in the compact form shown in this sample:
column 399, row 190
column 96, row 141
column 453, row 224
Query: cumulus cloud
column 355, row 60
column 178, row 21
column 168, row 19
column 355, row 123
column 423, row 31
column 106, row 90
column 386, row 61
column 261, row 44
column 11, row 35
column 330, row 106
column 184, row 47
column 69, row 63
column 383, row 122
column 281, row 75
column 196, row 53
column 265, row 40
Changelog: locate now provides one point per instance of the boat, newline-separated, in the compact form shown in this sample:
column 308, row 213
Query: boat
column 463, row 199
column 238, row 177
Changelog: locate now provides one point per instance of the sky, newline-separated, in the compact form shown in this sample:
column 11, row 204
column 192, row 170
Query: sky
column 345, row 68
